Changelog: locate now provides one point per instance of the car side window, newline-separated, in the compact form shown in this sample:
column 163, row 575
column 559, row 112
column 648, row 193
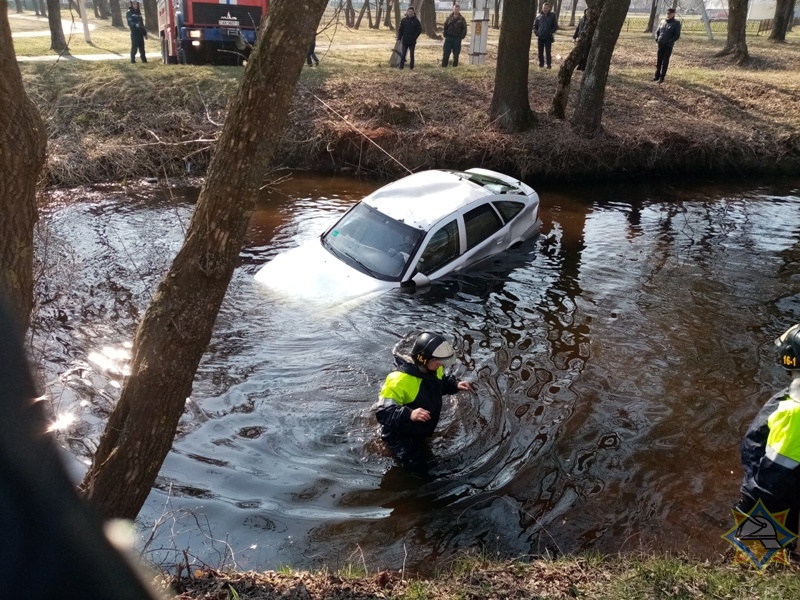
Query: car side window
column 443, row 247
column 508, row 210
column 481, row 223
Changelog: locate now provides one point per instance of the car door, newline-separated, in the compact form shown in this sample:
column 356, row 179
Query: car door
column 440, row 252
column 485, row 233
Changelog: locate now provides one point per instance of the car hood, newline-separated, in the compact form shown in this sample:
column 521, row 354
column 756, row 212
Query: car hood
column 311, row 273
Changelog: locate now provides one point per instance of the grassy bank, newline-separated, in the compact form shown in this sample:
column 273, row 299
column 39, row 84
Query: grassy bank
column 589, row 577
column 114, row 120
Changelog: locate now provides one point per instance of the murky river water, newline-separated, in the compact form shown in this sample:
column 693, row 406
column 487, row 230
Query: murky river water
column 619, row 357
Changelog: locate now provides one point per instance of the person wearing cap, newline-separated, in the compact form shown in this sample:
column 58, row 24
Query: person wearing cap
column 407, row 34
column 770, row 449
column 666, row 35
column 410, row 401
column 138, row 32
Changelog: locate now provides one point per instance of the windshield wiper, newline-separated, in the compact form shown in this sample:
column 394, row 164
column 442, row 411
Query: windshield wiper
column 369, row 271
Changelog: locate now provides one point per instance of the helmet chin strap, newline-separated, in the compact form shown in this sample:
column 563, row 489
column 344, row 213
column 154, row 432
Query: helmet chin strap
column 794, row 388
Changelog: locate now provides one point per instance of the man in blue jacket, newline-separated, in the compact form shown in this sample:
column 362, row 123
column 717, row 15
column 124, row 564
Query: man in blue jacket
column 407, row 34
column 138, row 32
column 666, row 35
column 410, row 401
column 545, row 26
column 771, row 447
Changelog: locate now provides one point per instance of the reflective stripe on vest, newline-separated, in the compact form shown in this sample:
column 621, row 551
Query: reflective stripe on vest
column 783, row 442
column 402, row 387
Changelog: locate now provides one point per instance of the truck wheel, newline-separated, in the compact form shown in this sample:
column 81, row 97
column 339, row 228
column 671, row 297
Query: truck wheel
column 181, row 56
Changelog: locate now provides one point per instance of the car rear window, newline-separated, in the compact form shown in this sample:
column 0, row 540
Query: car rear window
column 508, row 210
column 481, row 223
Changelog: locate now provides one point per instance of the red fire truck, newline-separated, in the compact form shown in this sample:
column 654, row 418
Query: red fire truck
column 218, row 32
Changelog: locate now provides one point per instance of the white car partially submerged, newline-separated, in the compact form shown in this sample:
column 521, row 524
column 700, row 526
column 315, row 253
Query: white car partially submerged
column 408, row 233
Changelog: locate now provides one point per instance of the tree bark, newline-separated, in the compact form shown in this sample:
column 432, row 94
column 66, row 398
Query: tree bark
column 496, row 15
column 150, row 13
column 784, row 11
column 116, row 14
column 22, row 147
column 736, row 43
column 58, row 42
column 426, row 12
column 651, row 22
column 510, row 106
column 575, row 57
column 589, row 110
column 177, row 325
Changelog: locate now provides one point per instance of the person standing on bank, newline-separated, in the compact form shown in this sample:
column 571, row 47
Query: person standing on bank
column 138, row 32
column 576, row 35
column 410, row 401
column 666, row 35
column 310, row 54
column 544, row 27
column 770, row 449
column 455, row 30
column 407, row 34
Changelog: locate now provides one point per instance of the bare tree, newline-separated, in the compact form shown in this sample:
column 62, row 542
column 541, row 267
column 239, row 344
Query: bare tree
column 736, row 43
column 572, row 13
column 150, row 15
column 496, row 15
column 177, row 325
column 116, row 14
column 18, row 4
column 22, row 147
column 578, row 54
column 388, row 18
column 426, row 12
column 57, row 40
column 41, row 7
column 364, row 8
column 589, row 110
column 349, row 13
column 510, row 105
column 651, row 22
column 784, row 13
column 379, row 13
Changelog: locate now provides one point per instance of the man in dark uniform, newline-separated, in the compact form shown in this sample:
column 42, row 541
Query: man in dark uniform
column 455, row 30
column 138, row 32
column 407, row 34
column 410, row 401
column 771, row 447
column 666, row 35
column 545, row 27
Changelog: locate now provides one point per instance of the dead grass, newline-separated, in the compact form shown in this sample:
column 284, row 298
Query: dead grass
column 114, row 120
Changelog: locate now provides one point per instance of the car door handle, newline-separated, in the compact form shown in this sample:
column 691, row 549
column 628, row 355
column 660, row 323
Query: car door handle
column 500, row 241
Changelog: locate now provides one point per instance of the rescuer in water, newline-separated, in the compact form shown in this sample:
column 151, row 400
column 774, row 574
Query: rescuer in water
column 771, row 447
column 138, row 32
column 410, row 401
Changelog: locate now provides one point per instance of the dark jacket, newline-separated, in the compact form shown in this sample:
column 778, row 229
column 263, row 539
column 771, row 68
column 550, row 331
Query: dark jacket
column 771, row 470
column 545, row 25
column 409, row 30
column 405, row 389
column 668, row 32
column 579, row 28
column 136, row 23
column 455, row 26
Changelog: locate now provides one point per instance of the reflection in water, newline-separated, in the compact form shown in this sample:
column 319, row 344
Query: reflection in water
column 619, row 357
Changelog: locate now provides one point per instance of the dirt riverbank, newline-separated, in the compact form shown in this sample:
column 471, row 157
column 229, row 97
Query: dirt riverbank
column 113, row 122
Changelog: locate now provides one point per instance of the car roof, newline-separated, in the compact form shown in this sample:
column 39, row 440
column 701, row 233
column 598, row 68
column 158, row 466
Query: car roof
column 424, row 198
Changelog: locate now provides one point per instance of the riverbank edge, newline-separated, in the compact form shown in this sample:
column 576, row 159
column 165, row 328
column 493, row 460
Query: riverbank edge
column 117, row 124
column 591, row 577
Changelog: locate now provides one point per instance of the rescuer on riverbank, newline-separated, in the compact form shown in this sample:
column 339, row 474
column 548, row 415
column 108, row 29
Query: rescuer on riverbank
column 771, row 447
column 410, row 401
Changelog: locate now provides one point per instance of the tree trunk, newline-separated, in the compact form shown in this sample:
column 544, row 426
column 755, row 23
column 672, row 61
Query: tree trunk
column 784, row 11
column 651, row 22
column 575, row 57
column 150, row 14
column 42, row 7
column 388, row 17
column 572, row 13
column 349, row 13
column 116, row 14
column 58, row 42
column 177, row 325
column 426, row 13
column 76, row 6
column 510, row 106
column 364, row 8
column 589, row 110
column 379, row 14
column 18, row 4
column 737, row 32
column 397, row 14
column 22, row 147
column 496, row 15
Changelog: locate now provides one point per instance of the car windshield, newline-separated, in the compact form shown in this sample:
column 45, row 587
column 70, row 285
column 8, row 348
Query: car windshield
column 373, row 243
